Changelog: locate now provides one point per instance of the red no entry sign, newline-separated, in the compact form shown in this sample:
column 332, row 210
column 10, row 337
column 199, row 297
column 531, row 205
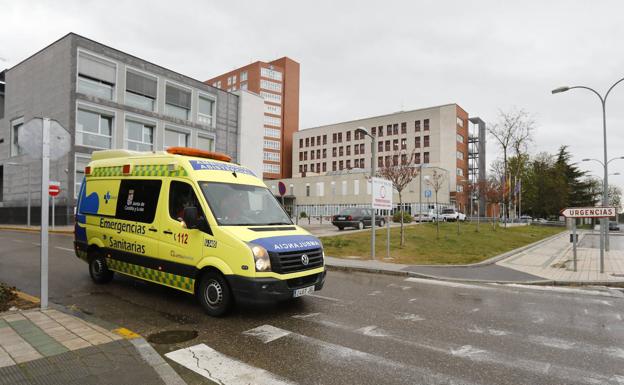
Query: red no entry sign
column 54, row 189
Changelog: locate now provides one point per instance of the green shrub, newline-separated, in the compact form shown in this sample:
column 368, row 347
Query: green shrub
column 396, row 218
column 303, row 214
column 7, row 294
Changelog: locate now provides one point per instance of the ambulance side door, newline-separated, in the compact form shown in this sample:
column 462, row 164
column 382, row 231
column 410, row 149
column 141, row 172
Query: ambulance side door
column 178, row 244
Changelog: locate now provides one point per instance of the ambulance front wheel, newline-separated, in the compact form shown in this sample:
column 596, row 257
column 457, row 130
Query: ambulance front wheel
column 214, row 294
column 99, row 271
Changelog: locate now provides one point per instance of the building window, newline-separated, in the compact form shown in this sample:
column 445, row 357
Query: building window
column 340, row 165
column 387, row 145
column 307, row 142
column 356, row 163
column 403, row 159
column 307, row 190
column 318, row 140
column 16, row 126
column 417, row 158
column 324, row 167
column 272, row 109
column 395, row 129
column 244, row 86
column 301, row 143
column 387, row 161
column 318, row 154
column 274, row 133
column 305, row 155
column 374, row 131
column 348, row 164
column 334, row 166
column 426, row 139
column 324, row 153
column 96, row 76
column 139, row 136
column 460, row 155
column 270, row 73
column 395, row 145
column 81, row 161
column 312, row 141
column 417, row 142
column 380, row 146
column 340, row 137
column 243, row 76
column 271, row 86
column 229, row 81
column 93, row 129
column 426, row 124
column 395, row 160
column 389, row 129
column 271, row 168
column 324, row 139
column 459, row 188
column 380, row 131
column 362, row 148
column 404, row 128
column 380, row 161
column 426, row 157
column 141, row 90
column 271, row 144
column 177, row 102
column 312, row 155
column 176, row 138
column 460, row 172
column 348, row 136
column 272, row 121
column 417, row 125
column 205, row 110
column 356, row 150
column 271, row 97
column 334, row 137
column 205, row 143
column 300, row 156
column 348, row 150
column 403, row 143
column 340, row 151
column 460, row 122
column 460, row 138
column 271, row 156
column 334, row 151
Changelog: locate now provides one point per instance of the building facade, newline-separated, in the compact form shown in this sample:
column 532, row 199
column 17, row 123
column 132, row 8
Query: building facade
column 435, row 136
column 107, row 99
column 277, row 82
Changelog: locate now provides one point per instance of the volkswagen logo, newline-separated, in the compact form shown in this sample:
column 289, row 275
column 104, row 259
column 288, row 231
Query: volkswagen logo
column 305, row 260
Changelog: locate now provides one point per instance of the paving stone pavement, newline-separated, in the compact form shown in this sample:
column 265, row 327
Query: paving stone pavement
column 51, row 347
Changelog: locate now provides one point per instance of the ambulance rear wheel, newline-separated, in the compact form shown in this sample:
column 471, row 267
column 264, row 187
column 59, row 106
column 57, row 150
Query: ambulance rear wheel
column 99, row 271
column 214, row 294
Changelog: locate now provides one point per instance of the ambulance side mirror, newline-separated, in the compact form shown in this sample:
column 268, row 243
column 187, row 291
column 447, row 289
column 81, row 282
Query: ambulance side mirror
column 190, row 217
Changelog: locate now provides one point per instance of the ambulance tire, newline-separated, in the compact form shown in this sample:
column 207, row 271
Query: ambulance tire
column 214, row 294
column 99, row 271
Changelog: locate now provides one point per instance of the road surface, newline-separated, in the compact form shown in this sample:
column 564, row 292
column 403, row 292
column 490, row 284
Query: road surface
column 361, row 329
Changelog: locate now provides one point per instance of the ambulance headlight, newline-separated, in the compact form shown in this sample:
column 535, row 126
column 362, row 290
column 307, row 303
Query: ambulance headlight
column 261, row 257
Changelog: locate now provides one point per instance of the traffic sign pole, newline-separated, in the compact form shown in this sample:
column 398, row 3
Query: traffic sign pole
column 45, row 184
column 574, row 241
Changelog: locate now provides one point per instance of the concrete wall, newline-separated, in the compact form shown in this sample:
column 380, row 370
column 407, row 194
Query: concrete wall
column 251, row 125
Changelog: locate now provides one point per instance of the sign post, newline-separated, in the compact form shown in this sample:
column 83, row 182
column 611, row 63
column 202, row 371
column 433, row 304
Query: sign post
column 574, row 241
column 45, row 139
column 588, row 212
column 382, row 200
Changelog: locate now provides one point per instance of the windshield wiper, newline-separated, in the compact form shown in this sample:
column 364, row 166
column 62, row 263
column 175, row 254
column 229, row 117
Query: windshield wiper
column 276, row 223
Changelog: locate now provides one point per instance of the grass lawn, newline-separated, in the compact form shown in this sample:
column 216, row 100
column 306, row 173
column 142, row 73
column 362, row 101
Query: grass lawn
column 422, row 247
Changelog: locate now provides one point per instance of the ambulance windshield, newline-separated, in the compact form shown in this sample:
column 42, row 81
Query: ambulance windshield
column 243, row 205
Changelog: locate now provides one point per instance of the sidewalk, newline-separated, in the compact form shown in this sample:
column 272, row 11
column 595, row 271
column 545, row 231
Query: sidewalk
column 52, row 347
column 57, row 229
column 545, row 262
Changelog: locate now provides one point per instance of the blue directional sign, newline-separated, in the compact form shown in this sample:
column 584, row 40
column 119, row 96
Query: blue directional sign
column 427, row 193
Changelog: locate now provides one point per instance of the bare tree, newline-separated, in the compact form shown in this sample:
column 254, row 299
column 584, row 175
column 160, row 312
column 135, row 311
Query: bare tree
column 512, row 131
column 436, row 182
column 401, row 171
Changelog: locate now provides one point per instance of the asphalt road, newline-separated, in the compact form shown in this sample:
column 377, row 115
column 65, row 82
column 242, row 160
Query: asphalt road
column 361, row 329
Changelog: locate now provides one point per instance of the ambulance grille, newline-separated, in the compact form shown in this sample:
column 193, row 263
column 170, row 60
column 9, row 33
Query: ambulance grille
column 290, row 262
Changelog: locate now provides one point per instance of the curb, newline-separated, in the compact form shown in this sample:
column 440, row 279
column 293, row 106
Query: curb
column 544, row 282
column 166, row 373
column 35, row 230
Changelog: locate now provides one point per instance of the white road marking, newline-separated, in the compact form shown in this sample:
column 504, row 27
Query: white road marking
column 266, row 333
column 325, row 298
column 372, row 331
column 619, row 317
column 552, row 342
column 222, row 369
column 64, row 248
column 476, row 309
column 374, row 293
column 303, row 316
column 413, row 299
column 408, row 317
column 17, row 240
column 447, row 283
column 394, row 285
column 568, row 290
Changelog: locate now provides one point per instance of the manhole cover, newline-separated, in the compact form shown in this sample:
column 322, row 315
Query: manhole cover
column 172, row 336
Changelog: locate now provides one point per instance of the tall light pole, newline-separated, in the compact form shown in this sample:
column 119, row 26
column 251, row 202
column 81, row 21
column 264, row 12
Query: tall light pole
column 605, row 196
column 373, row 172
column 603, row 102
column 28, row 183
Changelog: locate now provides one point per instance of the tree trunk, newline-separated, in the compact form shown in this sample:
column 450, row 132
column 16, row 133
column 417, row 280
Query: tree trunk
column 401, row 212
column 437, row 217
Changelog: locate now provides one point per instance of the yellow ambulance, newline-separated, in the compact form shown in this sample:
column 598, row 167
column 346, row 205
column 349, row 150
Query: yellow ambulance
column 192, row 220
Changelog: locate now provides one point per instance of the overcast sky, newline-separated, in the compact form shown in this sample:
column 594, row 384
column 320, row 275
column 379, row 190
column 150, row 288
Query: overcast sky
column 365, row 58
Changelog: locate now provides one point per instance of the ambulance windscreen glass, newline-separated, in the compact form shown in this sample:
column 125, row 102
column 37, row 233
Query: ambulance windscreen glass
column 243, row 205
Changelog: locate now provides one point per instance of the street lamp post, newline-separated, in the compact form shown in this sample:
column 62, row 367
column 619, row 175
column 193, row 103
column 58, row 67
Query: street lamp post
column 28, row 183
column 603, row 101
column 364, row 131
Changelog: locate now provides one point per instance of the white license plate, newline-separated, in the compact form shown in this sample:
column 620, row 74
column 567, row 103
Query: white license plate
column 303, row 291
column 341, row 218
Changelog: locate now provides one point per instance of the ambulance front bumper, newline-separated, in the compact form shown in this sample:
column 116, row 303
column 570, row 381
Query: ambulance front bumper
column 272, row 289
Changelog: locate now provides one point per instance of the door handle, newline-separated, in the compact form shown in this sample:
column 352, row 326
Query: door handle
column 153, row 229
column 167, row 231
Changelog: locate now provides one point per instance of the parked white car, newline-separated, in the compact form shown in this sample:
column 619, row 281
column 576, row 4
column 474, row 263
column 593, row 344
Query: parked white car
column 451, row 215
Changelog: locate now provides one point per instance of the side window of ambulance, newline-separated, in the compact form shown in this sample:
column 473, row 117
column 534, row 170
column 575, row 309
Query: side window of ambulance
column 137, row 200
column 181, row 195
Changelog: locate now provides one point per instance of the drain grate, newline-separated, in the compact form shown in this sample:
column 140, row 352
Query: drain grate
column 172, row 336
